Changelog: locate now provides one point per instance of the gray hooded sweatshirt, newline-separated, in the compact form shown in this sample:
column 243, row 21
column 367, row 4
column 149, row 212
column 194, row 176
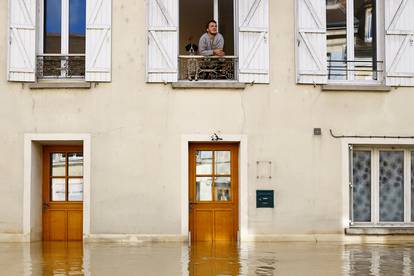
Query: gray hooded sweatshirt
column 206, row 45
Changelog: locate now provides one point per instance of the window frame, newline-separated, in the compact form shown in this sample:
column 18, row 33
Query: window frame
column 350, row 38
column 375, row 197
column 235, row 42
column 65, row 33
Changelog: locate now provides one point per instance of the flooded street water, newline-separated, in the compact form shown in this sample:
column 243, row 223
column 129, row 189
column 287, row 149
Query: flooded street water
column 205, row 259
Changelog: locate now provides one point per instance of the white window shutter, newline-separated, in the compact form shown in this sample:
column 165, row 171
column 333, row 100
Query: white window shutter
column 98, row 40
column 22, row 41
column 399, row 42
column 311, row 65
column 254, row 41
column 162, row 63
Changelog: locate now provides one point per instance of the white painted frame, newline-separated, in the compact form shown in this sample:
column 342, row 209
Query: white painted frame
column 45, row 138
column 64, row 43
column 243, row 180
column 380, row 16
column 377, row 144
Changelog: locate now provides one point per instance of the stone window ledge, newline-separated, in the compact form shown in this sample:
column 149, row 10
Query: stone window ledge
column 356, row 87
column 60, row 85
column 207, row 85
column 379, row 231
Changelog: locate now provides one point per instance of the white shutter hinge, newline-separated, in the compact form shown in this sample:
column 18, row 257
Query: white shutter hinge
column 350, row 147
column 350, row 185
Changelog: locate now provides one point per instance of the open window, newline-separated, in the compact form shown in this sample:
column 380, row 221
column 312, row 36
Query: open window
column 353, row 36
column 175, row 24
column 192, row 64
column 59, row 40
column 62, row 39
column 355, row 42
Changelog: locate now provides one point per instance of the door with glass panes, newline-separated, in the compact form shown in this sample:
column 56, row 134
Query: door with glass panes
column 62, row 193
column 213, row 191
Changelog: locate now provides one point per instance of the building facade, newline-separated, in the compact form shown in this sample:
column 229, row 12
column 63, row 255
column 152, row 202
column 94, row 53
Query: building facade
column 113, row 127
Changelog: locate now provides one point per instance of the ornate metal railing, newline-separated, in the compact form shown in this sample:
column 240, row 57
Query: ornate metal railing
column 196, row 68
column 52, row 66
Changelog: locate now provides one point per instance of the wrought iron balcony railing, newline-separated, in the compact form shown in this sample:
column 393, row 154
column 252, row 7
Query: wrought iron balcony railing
column 361, row 69
column 56, row 66
column 196, row 68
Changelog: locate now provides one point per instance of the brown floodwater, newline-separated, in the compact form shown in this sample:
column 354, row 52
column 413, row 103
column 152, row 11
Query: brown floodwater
column 205, row 259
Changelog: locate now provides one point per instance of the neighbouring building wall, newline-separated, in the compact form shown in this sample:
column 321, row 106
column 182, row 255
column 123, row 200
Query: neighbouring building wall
column 136, row 131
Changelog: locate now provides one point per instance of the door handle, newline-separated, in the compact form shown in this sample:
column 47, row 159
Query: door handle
column 46, row 206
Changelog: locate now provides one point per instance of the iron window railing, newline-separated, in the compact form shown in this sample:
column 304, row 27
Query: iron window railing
column 195, row 67
column 354, row 69
column 57, row 66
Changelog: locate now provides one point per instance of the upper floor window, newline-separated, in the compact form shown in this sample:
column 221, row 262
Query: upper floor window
column 180, row 48
column 352, row 41
column 206, row 45
column 62, row 42
column 355, row 41
column 59, row 39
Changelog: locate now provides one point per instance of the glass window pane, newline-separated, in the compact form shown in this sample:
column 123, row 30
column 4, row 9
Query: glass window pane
column 361, row 186
column 204, row 162
column 58, row 164
column 391, row 181
column 75, row 161
column 204, row 188
column 58, row 189
column 77, row 26
column 222, row 188
column 75, row 187
column 53, row 26
column 226, row 24
column 336, row 39
column 222, row 162
column 365, row 39
column 412, row 186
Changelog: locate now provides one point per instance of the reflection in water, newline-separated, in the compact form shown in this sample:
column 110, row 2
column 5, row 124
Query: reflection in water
column 58, row 259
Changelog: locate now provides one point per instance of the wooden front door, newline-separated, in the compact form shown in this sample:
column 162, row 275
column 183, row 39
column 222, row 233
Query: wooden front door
column 62, row 193
column 213, row 191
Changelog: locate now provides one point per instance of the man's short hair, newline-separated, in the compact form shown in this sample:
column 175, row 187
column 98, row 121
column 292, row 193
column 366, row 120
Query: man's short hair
column 211, row 21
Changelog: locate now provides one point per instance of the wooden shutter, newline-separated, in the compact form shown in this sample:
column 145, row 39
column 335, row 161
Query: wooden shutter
column 399, row 42
column 254, row 41
column 98, row 40
column 311, row 65
column 22, row 41
column 162, row 41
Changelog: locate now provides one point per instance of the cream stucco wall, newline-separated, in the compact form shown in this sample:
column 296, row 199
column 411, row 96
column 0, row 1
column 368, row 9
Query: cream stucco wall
column 136, row 131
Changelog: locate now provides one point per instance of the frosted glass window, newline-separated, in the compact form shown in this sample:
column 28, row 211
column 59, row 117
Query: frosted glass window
column 391, row 184
column 361, row 186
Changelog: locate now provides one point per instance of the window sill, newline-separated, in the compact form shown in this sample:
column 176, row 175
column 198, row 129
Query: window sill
column 60, row 85
column 408, row 230
column 208, row 85
column 356, row 87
